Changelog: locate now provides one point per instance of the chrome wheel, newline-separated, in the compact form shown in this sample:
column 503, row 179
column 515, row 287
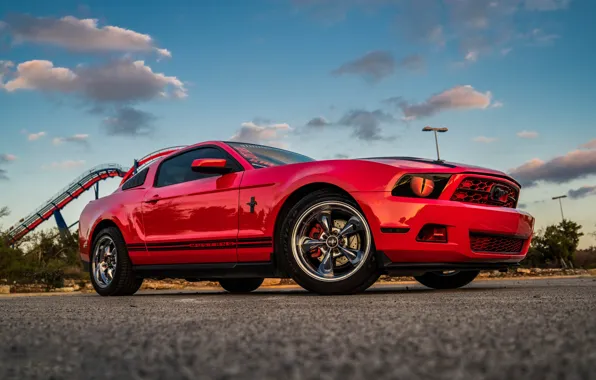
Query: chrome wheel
column 331, row 241
column 104, row 262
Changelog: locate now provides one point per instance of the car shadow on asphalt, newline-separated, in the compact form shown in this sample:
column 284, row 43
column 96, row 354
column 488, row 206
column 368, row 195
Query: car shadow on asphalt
column 304, row 293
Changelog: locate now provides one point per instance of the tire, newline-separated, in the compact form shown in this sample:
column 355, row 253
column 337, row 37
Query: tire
column 240, row 285
column 123, row 281
column 303, row 270
column 437, row 280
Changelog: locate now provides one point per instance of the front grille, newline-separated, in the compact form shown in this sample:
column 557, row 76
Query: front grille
column 486, row 191
column 496, row 243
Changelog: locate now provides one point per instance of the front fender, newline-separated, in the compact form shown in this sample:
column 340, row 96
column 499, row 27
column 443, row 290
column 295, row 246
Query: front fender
column 122, row 209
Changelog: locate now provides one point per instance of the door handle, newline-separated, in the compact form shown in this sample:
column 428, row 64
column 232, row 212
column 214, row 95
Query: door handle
column 153, row 200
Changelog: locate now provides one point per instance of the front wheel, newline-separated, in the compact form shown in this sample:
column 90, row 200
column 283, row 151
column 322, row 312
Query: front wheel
column 240, row 285
column 110, row 267
column 327, row 244
column 447, row 279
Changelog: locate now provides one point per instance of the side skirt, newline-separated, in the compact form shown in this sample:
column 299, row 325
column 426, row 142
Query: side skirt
column 207, row 271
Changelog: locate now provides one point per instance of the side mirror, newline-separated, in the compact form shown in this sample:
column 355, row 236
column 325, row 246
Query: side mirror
column 210, row 166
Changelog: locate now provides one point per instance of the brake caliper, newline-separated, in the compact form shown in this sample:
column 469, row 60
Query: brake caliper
column 315, row 233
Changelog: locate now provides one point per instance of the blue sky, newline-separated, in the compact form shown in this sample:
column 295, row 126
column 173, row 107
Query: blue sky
column 325, row 78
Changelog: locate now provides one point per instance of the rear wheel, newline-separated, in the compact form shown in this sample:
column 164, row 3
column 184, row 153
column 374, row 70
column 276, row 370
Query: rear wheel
column 240, row 285
column 110, row 268
column 327, row 244
column 447, row 279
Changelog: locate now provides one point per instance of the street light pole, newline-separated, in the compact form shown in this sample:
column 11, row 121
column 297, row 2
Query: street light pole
column 560, row 205
column 437, row 145
column 562, row 226
column 435, row 130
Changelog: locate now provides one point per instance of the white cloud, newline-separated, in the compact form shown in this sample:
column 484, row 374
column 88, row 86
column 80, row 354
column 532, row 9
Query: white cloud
column 127, row 121
column 506, row 51
column 546, row 5
column 379, row 64
column 65, row 165
column 35, row 136
column 5, row 157
column 269, row 134
column 497, row 104
column 374, row 66
column 459, row 97
column 590, row 144
column 83, row 35
column 576, row 164
column 582, row 192
column 527, row 134
column 471, row 56
column 318, row 122
column 110, row 89
column 538, row 37
column 42, row 75
column 77, row 139
column 485, row 140
column 488, row 27
column 164, row 53
column 5, row 67
column 117, row 81
column 366, row 125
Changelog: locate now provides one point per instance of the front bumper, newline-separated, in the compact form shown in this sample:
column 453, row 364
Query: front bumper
column 396, row 221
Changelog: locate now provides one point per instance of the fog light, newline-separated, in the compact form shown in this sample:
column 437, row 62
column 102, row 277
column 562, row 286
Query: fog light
column 433, row 233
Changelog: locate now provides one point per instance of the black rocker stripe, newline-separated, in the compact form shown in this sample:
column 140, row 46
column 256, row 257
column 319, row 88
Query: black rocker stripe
column 203, row 245
column 161, row 249
column 197, row 248
column 183, row 243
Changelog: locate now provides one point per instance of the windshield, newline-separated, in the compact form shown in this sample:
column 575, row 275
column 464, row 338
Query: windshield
column 260, row 156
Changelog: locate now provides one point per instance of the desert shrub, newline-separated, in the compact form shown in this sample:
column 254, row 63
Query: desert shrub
column 585, row 258
column 555, row 245
column 42, row 257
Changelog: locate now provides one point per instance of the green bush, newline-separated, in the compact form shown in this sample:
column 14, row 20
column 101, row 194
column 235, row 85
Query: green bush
column 42, row 258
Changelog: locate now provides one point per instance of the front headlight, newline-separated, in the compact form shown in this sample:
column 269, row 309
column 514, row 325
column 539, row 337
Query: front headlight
column 421, row 185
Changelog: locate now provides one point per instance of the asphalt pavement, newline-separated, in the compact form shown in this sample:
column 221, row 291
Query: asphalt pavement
column 514, row 329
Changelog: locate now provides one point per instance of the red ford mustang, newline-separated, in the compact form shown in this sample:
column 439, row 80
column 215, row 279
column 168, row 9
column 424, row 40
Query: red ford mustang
column 239, row 213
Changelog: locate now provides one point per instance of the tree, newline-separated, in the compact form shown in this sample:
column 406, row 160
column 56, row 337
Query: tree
column 558, row 242
column 4, row 211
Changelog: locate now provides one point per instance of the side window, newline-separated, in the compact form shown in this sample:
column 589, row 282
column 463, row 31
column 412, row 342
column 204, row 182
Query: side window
column 137, row 180
column 178, row 169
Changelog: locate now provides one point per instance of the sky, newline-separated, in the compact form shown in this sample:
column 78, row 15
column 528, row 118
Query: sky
column 88, row 83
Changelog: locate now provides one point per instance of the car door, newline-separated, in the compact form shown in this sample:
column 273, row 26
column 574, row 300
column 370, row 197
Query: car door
column 192, row 217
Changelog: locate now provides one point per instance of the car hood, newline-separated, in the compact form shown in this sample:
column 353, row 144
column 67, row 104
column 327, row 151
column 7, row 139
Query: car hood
column 426, row 165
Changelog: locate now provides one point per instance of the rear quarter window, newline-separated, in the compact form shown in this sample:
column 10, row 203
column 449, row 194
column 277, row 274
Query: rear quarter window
column 137, row 180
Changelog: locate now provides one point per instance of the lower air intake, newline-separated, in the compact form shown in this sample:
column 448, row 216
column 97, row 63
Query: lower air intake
column 496, row 243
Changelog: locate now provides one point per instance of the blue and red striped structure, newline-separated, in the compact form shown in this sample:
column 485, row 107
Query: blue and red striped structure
column 89, row 179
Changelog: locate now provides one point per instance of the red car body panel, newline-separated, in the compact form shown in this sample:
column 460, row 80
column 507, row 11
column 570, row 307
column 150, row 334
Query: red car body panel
column 210, row 220
column 380, row 210
column 193, row 211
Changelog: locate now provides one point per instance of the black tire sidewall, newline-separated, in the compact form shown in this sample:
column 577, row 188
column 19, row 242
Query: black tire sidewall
column 122, row 257
column 241, row 285
column 457, row 280
column 357, row 282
